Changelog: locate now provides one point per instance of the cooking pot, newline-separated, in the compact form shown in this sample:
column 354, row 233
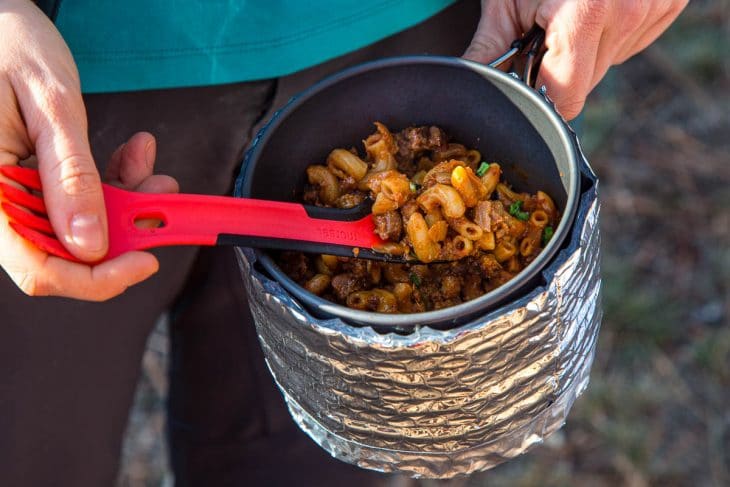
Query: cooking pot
column 480, row 382
column 476, row 105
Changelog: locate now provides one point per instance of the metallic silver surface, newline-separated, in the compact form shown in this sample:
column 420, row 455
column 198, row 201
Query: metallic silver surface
column 434, row 403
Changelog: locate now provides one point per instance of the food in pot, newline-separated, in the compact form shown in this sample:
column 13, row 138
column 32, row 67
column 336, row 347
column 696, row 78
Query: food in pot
column 432, row 198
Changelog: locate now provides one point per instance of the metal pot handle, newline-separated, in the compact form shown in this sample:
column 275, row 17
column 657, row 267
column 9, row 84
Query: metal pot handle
column 525, row 55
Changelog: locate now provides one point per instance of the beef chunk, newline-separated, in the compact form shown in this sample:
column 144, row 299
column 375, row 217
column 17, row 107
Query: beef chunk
column 414, row 140
column 388, row 225
column 296, row 265
column 345, row 284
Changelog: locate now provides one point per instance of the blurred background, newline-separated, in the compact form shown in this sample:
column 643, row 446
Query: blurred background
column 657, row 410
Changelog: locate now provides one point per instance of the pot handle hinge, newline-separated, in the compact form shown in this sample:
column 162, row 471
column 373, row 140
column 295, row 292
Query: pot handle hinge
column 522, row 61
column 524, row 56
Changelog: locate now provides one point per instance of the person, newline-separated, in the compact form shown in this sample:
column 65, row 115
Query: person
column 182, row 88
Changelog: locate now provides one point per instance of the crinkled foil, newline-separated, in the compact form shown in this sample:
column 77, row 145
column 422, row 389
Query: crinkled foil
column 436, row 403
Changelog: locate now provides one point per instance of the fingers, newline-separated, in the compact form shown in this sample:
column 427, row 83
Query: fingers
column 133, row 162
column 497, row 28
column 131, row 168
column 159, row 183
column 101, row 282
column 487, row 44
column 573, row 36
column 43, row 110
column 38, row 274
column 42, row 113
column 59, row 277
column 132, row 165
column 584, row 39
column 71, row 183
column 640, row 39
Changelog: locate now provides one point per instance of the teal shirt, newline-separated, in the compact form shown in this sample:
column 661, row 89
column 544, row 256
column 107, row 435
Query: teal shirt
column 144, row 44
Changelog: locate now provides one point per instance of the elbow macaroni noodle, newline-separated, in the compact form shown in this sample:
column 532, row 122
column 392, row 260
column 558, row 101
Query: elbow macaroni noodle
column 434, row 199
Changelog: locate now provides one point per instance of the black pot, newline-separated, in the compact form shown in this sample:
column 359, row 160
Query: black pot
column 479, row 106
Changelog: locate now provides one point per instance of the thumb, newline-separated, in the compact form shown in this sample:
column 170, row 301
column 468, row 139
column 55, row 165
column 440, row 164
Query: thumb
column 493, row 36
column 499, row 25
column 71, row 183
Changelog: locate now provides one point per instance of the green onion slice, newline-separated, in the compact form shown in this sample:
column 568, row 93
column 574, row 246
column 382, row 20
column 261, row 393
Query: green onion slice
column 515, row 209
column 547, row 234
column 482, row 170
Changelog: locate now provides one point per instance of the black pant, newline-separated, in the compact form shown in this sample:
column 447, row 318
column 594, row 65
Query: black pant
column 68, row 369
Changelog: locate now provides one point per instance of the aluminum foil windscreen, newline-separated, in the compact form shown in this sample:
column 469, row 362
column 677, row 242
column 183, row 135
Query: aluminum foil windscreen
column 436, row 403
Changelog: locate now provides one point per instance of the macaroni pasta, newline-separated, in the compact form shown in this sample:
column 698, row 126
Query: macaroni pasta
column 435, row 199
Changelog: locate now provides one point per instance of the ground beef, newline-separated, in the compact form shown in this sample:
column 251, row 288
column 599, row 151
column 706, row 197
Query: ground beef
column 389, row 225
column 414, row 140
column 311, row 196
column 345, row 284
column 489, row 266
column 350, row 200
column 347, row 184
column 357, row 267
column 408, row 209
column 295, row 265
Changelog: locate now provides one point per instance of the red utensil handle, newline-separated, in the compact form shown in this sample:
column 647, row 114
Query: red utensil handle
column 191, row 219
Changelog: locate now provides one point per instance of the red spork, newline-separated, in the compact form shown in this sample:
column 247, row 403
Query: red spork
column 191, row 219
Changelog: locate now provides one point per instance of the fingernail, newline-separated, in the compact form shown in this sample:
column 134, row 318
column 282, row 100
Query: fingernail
column 86, row 232
column 149, row 153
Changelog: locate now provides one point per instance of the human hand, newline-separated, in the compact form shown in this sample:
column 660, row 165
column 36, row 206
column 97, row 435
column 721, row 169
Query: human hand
column 584, row 38
column 42, row 114
column 39, row 274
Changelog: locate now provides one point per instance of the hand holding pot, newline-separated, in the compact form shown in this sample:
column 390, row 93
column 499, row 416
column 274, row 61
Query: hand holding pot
column 584, row 38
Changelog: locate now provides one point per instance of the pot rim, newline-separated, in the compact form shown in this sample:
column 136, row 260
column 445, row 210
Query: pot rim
column 454, row 314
